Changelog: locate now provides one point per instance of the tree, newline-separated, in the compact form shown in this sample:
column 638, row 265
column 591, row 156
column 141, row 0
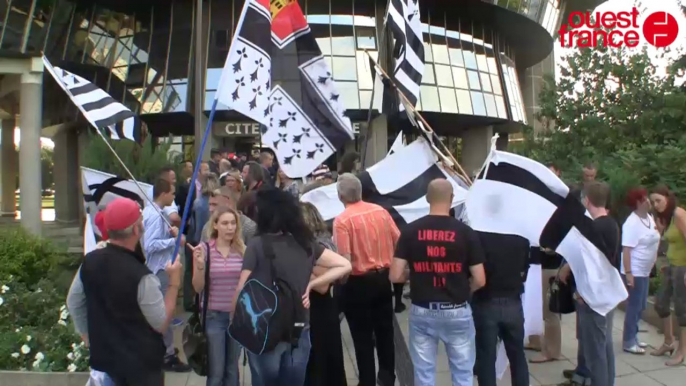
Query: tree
column 611, row 107
column 143, row 160
column 47, row 164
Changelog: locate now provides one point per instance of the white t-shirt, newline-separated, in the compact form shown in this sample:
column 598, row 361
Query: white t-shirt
column 643, row 241
column 168, row 210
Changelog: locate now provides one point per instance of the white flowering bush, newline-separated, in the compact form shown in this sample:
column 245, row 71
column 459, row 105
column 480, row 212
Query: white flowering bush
column 36, row 333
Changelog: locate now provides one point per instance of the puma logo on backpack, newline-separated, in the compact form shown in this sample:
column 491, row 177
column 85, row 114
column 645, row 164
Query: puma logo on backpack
column 267, row 313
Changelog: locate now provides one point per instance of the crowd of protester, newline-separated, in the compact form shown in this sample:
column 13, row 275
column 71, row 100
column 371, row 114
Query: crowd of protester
column 465, row 287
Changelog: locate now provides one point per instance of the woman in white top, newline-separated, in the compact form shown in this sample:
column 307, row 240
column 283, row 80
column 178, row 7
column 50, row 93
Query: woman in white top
column 640, row 240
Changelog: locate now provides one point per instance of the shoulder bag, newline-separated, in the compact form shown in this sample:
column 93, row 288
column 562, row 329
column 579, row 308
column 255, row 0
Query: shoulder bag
column 267, row 313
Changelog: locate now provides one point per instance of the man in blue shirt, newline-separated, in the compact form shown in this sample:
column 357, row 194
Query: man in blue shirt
column 158, row 245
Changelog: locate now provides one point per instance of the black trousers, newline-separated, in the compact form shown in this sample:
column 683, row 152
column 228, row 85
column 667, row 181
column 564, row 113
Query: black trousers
column 326, row 365
column 368, row 307
column 149, row 379
column 398, row 293
column 500, row 318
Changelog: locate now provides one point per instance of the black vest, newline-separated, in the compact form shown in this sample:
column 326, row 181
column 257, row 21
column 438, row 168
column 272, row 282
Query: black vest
column 121, row 340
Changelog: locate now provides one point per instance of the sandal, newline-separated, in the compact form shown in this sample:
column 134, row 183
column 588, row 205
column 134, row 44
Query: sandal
column 674, row 362
column 636, row 350
column 664, row 349
column 542, row 359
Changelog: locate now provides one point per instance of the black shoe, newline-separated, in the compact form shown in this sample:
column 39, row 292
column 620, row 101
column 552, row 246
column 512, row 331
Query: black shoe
column 400, row 307
column 173, row 364
column 570, row 383
column 568, row 374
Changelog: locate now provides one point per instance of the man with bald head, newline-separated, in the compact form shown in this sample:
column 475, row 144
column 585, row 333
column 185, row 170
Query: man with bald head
column 444, row 261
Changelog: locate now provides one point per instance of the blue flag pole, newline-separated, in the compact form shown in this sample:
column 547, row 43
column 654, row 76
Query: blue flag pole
column 198, row 161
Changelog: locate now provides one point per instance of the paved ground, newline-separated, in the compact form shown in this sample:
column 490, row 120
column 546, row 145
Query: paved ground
column 631, row 370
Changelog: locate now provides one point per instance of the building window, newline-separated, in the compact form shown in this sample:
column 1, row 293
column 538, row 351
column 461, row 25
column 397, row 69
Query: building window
column 512, row 87
column 343, row 38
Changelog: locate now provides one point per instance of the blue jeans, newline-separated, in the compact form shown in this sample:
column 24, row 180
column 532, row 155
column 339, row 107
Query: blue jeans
column 638, row 299
column 595, row 340
column 168, row 335
column 500, row 318
column 107, row 381
column 223, row 351
column 285, row 365
column 455, row 328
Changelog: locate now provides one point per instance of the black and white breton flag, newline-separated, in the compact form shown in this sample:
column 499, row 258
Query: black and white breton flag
column 100, row 188
column 518, row 196
column 398, row 183
column 97, row 106
column 403, row 19
column 276, row 75
column 398, row 144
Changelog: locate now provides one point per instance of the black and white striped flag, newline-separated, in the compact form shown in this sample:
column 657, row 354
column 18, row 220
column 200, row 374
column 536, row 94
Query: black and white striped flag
column 403, row 19
column 398, row 183
column 97, row 106
column 515, row 195
column 398, row 144
column 100, row 188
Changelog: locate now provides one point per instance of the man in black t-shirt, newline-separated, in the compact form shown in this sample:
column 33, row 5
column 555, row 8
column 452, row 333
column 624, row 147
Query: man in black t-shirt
column 444, row 259
column 594, row 329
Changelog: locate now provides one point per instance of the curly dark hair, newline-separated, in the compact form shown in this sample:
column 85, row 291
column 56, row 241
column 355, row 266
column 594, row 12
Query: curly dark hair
column 279, row 212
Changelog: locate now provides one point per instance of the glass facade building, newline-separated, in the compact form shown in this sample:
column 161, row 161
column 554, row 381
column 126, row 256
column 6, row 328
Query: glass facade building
column 142, row 53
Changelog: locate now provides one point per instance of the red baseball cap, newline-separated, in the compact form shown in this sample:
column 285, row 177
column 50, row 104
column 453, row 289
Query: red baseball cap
column 121, row 213
column 100, row 223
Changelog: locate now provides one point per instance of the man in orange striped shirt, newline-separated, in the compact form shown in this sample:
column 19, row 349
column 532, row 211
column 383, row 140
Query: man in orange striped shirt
column 366, row 234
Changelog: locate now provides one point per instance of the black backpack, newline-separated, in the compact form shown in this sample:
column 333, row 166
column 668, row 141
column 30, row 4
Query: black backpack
column 267, row 314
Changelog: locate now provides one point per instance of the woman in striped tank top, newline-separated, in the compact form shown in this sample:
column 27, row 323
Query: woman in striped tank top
column 225, row 252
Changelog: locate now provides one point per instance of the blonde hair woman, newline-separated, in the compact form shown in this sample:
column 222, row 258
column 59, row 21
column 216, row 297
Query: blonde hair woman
column 224, row 256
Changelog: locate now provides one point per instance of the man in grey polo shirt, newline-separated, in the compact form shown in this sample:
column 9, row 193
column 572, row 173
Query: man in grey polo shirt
column 117, row 306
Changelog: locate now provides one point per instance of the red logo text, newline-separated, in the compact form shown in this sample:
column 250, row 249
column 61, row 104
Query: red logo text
column 617, row 29
column 610, row 29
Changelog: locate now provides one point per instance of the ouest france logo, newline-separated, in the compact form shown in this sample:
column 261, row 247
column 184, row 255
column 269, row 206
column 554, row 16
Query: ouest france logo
column 618, row 29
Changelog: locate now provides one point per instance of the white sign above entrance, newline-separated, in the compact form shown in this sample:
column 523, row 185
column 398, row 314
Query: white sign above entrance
column 242, row 129
column 249, row 129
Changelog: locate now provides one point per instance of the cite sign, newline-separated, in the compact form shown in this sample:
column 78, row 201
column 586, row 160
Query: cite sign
column 249, row 129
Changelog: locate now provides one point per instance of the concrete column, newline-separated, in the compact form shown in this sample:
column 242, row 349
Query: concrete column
column 476, row 143
column 502, row 141
column 30, row 122
column 9, row 169
column 66, row 173
column 378, row 142
column 532, row 83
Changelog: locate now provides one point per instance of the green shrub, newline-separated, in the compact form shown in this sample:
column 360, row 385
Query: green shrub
column 29, row 258
column 35, row 331
column 654, row 285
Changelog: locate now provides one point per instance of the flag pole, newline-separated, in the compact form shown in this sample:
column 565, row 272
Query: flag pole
column 145, row 194
column 51, row 70
column 367, row 136
column 408, row 105
column 196, row 169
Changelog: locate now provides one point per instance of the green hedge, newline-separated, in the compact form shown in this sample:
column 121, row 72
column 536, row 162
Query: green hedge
column 36, row 333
